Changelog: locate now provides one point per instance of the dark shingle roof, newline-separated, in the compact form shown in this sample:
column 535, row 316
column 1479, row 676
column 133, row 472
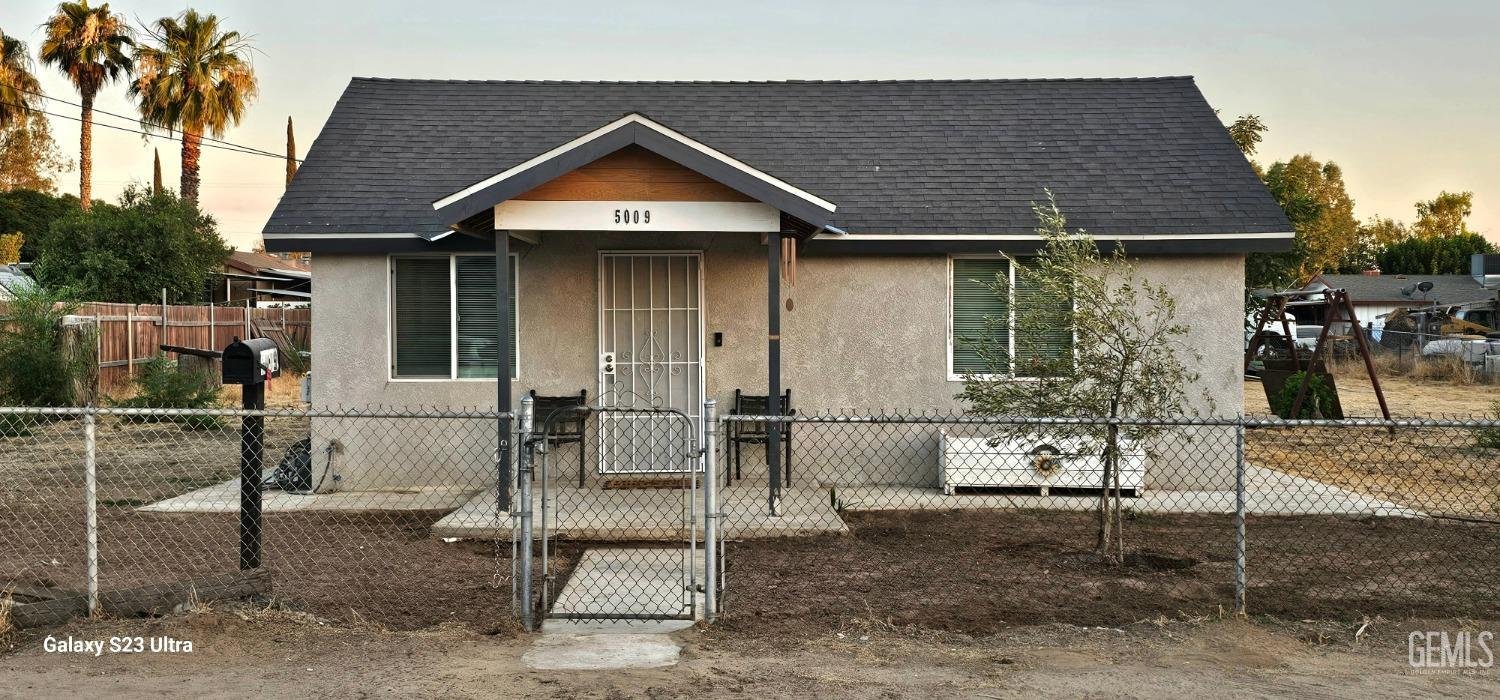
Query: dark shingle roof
column 1375, row 289
column 1124, row 156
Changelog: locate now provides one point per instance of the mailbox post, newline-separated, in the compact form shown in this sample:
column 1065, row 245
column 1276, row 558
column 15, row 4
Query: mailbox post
column 250, row 363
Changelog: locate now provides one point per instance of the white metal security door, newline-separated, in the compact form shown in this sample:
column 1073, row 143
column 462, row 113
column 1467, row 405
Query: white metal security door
column 650, row 356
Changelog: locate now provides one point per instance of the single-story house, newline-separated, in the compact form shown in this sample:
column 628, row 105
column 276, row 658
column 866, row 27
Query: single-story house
column 647, row 227
column 1374, row 295
column 268, row 280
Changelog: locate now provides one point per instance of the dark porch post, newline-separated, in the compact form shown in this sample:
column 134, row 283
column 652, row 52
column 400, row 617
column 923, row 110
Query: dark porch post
column 502, row 367
column 773, row 368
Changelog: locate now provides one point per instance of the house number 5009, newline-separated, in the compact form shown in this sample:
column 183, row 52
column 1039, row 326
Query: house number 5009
column 632, row 216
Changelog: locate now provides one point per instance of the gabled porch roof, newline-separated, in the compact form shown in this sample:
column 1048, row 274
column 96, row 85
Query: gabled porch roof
column 633, row 129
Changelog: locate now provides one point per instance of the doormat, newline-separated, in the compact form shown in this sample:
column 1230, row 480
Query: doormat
column 671, row 482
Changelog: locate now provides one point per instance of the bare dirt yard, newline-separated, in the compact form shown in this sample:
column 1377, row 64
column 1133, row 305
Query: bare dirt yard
column 935, row 604
column 247, row 652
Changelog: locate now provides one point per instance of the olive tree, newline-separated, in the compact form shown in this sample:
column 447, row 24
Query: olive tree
column 1127, row 358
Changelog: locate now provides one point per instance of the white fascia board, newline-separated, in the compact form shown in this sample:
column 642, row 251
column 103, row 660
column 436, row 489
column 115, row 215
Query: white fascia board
column 655, row 216
column 1034, row 237
column 659, row 128
column 345, row 235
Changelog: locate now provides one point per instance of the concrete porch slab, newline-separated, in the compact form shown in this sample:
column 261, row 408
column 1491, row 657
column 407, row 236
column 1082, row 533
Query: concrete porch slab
column 1267, row 492
column 625, row 514
column 225, row 498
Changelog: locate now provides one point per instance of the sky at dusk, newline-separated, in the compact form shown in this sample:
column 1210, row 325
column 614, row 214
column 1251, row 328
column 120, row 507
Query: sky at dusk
column 1404, row 96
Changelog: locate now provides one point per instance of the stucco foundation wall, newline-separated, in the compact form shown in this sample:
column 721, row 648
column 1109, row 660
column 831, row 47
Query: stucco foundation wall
column 866, row 333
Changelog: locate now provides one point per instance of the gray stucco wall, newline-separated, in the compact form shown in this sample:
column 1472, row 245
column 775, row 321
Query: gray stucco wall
column 867, row 333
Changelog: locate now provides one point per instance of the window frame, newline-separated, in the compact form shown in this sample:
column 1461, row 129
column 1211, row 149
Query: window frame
column 1011, row 322
column 390, row 317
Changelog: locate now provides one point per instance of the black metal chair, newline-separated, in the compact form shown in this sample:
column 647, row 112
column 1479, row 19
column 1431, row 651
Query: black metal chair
column 754, row 433
column 565, row 416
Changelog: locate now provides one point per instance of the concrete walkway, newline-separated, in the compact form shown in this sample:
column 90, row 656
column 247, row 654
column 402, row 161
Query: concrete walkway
column 624, row 514
column 224, row 497
column 611, row 583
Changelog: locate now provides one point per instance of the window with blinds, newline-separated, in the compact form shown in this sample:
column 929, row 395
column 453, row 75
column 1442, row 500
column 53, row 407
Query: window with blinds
column 974, row 304
column 1053, row 343
column 422, row 346
column 475, row 283
column 444, row 317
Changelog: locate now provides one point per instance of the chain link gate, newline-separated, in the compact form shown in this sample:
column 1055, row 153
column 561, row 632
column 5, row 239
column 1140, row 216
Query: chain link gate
column 618, row 494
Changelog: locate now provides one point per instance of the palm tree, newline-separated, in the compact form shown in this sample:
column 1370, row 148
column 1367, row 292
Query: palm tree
column 89, row 44
column 194, row 80
column 19, row 88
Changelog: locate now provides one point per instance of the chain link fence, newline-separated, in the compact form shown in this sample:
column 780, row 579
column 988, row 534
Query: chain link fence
column 950, row 521
column 139, row 510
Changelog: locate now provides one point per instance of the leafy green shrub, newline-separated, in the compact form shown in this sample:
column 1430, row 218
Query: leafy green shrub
column 1489, row 437
column 130, row 251
column 1318, row 403
column 35, row 370
column 160, row 383
column 36, row 366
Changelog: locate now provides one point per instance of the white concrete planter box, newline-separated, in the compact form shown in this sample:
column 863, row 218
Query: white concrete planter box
column 977, row 462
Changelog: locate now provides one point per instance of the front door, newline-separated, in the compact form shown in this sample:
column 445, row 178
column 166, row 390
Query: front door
column 650, row 355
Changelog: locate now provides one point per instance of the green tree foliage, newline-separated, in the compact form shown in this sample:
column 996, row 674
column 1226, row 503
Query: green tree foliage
column 195, row 78
column 1314, row 198
column 1447, row 255
column 1128, row 359
column 1446, row 215
column 29, row 157
column 128, row 252
column 31, row 214
column 19, row 89
column 90, row 45
column 1371, row 238
column 1246, row 132
column 34, row 369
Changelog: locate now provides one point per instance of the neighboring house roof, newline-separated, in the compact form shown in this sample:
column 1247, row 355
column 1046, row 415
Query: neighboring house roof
column 13, row 280
column 1125, row 157
column 253, row 263
column 1386, row 289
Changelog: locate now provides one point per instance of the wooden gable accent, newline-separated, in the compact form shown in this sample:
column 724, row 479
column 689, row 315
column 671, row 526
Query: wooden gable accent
column 633, row 174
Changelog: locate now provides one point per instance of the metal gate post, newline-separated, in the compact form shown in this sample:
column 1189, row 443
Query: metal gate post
column 1239, row 518
column 523, row 502
column 91, row 511
column 710, row 510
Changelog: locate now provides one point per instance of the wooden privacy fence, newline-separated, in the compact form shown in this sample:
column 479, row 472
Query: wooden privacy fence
column 131, row 334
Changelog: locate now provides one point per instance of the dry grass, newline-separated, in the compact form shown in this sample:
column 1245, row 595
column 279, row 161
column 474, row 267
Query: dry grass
column 284, row 391
column 1445, row 369
column 7, row 628
column 1434, row 470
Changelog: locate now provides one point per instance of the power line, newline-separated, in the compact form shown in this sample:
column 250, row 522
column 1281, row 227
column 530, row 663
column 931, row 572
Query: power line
column 133, row 120
column 221, row 145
